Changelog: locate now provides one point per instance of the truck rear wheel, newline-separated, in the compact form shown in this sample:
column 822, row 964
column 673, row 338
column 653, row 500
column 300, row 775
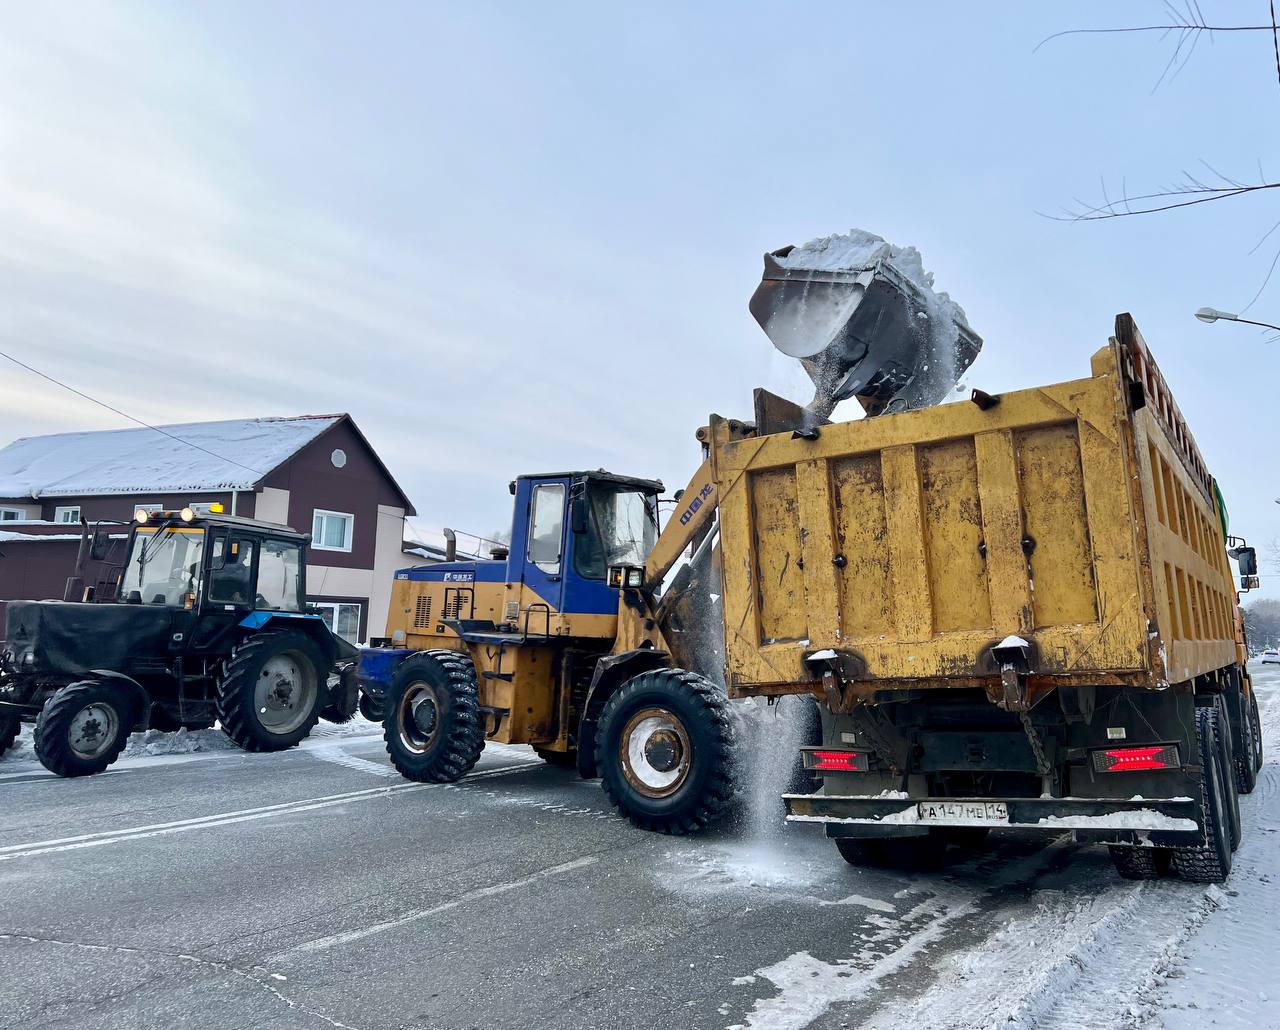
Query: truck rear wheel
column 1256, row 720
column 83, row 728
column 1140, row 863
column 1246, row 764
column 664, row 748
column 270, row 691
column 432, row 727
column 10, row 726
column 1227, row 763
column 1211, row 861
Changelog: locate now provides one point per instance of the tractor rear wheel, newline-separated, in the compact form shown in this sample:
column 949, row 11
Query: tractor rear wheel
column 1255, row 720
column 664, row 748
column 432, row 727
column 270, row 692
column 83, row 728
column 344, row 699
column 10, row 726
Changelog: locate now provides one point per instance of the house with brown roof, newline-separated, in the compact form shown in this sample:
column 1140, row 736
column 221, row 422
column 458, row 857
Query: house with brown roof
column 315, row 473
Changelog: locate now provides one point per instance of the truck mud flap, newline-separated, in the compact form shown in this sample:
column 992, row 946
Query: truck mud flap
column 1175, row 820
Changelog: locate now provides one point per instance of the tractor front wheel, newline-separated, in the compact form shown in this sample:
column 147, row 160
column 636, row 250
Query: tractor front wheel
column 10, row 725
column 270, row 692
column 432, row 727
column 83, row 728
column 664, row 748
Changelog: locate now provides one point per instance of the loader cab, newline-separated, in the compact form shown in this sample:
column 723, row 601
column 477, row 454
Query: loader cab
column 568, row 529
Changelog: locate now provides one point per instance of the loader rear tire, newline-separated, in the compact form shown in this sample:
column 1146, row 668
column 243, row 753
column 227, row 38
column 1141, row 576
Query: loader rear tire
column 83, row 728
column 1211, row 861
column 1140, row 863
column 270, row 691
column 664, row 749
column 432, row 728
column 560, row 759
column 10, row 727
column 1227, row 763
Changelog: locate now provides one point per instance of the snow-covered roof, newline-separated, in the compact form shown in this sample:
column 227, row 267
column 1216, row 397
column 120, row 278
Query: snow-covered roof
column 199, row 456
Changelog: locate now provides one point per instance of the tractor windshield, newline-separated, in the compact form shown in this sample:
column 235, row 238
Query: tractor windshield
column 624, row 527
column 164, row 567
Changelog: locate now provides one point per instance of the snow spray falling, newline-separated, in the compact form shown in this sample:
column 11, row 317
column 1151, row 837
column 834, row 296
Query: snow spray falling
column 769, row 736
column 863, row 319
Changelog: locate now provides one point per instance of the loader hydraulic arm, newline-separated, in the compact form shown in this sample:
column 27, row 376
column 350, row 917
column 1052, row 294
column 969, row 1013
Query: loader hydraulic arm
column 637, row 625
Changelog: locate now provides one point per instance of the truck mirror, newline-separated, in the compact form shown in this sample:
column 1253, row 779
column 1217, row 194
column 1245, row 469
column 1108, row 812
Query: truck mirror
column 579, row 516
column 1247, row 558
column 100, row 546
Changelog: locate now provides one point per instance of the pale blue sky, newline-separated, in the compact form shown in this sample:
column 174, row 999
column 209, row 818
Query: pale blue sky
column 515, row 237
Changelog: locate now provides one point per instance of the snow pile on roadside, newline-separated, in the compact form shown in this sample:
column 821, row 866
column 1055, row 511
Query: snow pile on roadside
column 183, row 742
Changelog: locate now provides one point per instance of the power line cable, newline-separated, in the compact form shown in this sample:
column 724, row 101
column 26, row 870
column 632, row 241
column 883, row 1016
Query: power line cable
column 125, row 414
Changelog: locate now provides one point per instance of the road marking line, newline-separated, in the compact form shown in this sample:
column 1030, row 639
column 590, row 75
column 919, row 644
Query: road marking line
column 91, row 840
column 347, row 937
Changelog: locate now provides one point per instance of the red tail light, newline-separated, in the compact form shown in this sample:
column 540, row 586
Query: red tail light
column 1136, row 759
column 839, row 761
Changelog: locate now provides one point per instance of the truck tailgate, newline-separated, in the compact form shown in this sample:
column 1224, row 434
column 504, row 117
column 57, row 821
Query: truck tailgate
column 912, row 542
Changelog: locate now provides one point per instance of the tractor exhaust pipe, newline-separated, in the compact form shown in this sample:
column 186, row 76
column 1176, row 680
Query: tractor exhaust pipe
column 450, row 544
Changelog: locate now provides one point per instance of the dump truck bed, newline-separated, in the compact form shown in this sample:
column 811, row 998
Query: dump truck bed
column 1077, row 516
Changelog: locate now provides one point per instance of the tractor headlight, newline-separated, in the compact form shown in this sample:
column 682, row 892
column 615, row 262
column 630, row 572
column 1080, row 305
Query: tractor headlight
column 29, row 660
column 188, row 515
column 141, row 515
column 635, row 577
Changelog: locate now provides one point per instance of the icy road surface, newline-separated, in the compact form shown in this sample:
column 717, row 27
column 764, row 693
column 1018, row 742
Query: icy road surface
column 197, row 886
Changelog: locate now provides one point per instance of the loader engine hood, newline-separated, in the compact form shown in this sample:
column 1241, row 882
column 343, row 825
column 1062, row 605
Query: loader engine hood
column 60, row 639
column 863, row 319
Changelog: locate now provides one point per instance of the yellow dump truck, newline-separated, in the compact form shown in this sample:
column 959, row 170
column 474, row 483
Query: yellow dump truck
column 1016, row 612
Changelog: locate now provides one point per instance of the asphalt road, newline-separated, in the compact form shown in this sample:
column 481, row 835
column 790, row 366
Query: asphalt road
column 317, row 889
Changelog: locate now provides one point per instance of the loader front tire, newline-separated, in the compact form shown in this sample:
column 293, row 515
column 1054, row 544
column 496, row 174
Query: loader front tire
column 270, row 691
column 664, row 749
column 432, row 727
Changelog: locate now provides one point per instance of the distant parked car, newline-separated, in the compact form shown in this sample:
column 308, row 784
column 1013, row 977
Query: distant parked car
column 1270, row 656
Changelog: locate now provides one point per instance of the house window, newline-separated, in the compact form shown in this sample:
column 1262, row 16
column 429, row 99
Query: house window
column 342, row 618
column 71, row 513
column 332, row 531
column 12, row 515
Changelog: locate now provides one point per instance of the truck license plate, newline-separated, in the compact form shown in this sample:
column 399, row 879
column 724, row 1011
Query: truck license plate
column 969, row 811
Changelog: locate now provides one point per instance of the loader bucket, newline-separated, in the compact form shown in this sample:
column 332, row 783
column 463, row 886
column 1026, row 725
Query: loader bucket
column 870, row 333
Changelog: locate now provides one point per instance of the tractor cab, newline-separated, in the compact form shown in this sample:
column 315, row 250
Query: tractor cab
column 213, row 564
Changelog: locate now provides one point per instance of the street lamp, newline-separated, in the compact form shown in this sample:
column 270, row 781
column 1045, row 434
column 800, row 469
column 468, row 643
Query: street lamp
column 1213, row 314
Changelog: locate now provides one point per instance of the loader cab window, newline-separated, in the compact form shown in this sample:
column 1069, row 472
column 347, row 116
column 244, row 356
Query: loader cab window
column 623, row 529
column 546, row 527
column 231, row 572
column 279, row 573
column 164, row 567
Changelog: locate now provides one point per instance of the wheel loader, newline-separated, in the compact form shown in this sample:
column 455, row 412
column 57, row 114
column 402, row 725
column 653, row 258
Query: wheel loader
column 573, row 640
